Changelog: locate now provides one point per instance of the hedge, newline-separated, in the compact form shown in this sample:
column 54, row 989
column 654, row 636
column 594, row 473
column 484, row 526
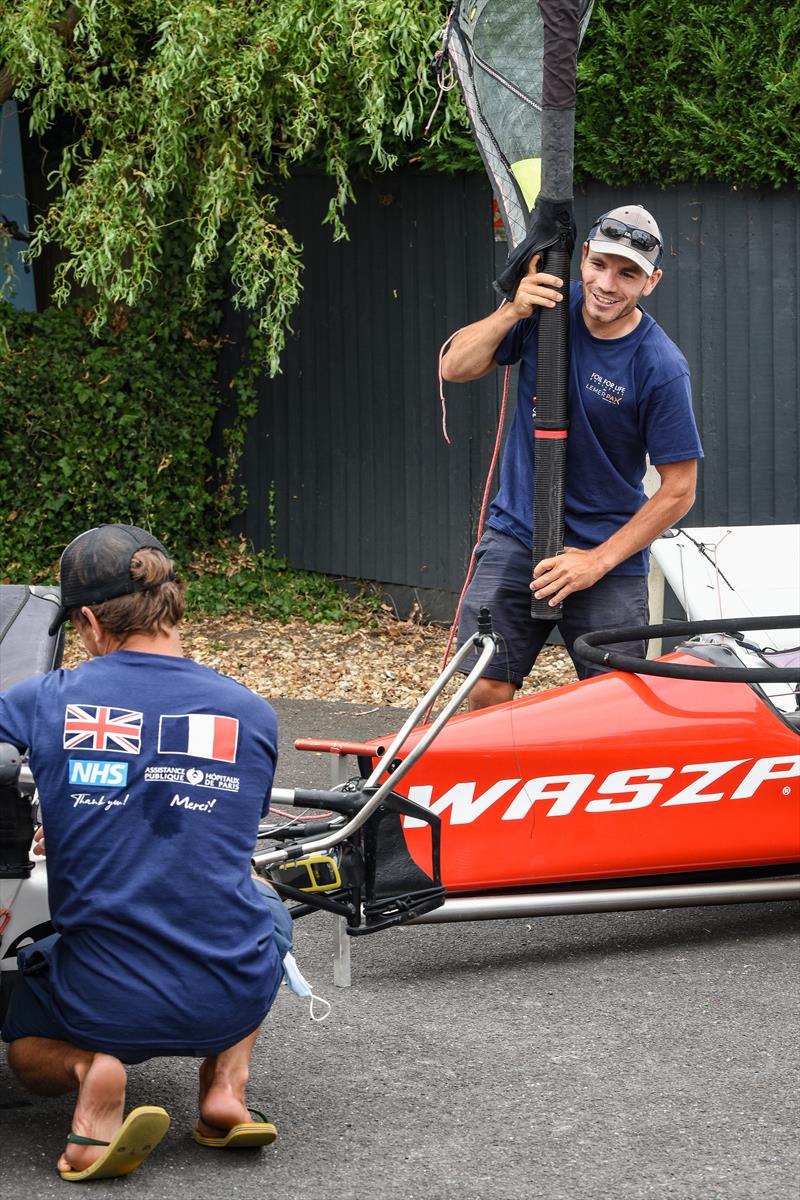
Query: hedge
column 114, row 427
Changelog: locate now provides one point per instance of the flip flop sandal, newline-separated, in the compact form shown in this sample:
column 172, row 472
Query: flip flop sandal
column 259, row 1132
column 139, row 1134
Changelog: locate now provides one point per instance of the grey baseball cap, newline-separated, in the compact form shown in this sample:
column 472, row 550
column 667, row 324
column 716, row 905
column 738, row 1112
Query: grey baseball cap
column 630, row 231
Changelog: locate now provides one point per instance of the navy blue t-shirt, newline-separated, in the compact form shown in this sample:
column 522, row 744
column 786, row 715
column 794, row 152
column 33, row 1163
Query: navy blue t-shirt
column 628, row 397
column 153, row 773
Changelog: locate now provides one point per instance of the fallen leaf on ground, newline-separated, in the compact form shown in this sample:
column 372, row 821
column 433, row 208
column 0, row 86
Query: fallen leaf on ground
column 392, row 663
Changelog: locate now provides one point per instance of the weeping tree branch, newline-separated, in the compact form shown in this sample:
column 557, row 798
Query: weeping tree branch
column 193, row 114
column 65, row 29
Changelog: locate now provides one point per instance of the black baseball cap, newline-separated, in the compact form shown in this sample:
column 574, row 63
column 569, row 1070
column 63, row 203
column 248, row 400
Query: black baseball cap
column 96, row 566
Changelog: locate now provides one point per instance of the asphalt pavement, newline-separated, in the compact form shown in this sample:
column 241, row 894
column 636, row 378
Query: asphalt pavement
column 600, row 1057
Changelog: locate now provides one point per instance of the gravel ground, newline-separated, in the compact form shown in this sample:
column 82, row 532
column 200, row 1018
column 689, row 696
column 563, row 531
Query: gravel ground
column 390, row 664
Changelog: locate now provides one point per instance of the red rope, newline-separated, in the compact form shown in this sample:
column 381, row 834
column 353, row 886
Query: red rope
column 485, row 501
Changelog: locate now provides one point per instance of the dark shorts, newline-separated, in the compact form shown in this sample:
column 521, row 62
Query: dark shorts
column 501, row 583
column 34, row 1011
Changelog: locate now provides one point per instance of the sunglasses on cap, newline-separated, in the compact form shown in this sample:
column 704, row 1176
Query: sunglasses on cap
column 640, row 239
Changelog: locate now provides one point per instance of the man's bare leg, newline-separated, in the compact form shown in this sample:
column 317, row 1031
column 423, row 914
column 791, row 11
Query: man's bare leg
column 488, row 692
column 223, row 1081
column 50, row 1068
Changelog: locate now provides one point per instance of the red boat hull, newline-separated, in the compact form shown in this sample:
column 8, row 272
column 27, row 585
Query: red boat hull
column 618, row 776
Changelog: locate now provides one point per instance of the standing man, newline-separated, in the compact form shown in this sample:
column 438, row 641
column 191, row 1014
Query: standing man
column 629, row 397
column 153, row 773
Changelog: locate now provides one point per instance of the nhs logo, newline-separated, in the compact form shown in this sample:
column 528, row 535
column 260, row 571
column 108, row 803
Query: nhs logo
column 98, row 774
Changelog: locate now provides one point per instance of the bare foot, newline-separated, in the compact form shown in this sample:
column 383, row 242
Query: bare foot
column 98, row 1111
column 221, row 1098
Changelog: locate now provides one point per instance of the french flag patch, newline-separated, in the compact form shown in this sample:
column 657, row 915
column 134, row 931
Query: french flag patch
column 200, row 736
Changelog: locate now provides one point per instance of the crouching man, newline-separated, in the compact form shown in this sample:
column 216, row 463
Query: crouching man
column 153, row 773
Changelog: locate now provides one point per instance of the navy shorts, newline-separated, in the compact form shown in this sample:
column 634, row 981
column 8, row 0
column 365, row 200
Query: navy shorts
column 501, row 583
column 34, row 1012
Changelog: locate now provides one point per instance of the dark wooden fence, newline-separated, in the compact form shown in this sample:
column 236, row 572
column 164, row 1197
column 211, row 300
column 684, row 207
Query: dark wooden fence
column 346, row 467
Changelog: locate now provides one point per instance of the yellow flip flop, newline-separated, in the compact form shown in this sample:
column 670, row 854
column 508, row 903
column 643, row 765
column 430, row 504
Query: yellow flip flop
column 250, row 1133
column 139, row 1134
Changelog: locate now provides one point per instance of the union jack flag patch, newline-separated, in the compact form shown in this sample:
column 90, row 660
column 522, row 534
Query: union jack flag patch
column 96, row 727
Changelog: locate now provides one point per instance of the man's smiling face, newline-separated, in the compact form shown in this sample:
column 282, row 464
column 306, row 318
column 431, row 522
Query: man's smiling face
column 612, row 287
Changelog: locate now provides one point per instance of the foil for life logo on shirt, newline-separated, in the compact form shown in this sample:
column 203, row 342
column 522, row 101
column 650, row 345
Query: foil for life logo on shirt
column 200, row 735
column 611, row 392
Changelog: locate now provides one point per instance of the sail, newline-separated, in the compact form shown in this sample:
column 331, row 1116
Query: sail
column 515, row 62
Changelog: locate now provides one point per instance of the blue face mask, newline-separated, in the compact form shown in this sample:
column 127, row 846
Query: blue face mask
column 292, row 975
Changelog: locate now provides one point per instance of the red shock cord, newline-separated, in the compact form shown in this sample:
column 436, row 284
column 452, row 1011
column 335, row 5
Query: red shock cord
column 486, row 490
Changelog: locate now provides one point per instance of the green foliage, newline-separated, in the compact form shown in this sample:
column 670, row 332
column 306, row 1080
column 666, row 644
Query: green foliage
column 213, row 102
column 110, row 428
column 232, row 578
column 670, row 90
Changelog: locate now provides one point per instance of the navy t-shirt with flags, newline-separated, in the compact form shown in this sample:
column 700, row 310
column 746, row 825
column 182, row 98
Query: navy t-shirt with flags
column 628, row 397
column 153, row 773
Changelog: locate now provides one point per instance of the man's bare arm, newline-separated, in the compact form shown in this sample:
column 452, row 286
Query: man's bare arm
column 472, row 350
column 556, row 578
